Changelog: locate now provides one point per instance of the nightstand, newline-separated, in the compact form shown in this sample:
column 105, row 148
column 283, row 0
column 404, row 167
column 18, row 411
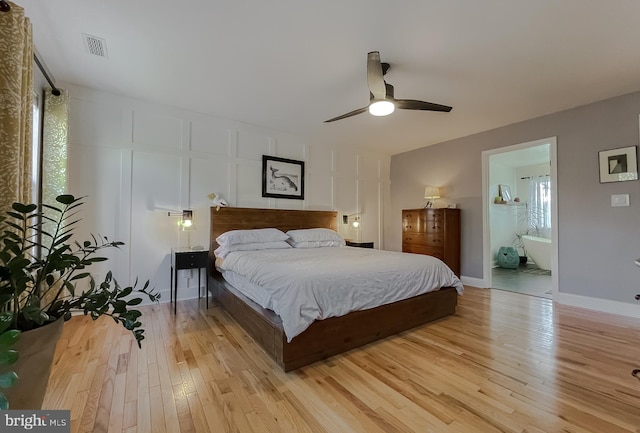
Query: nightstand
column 359, row 244
column 186, row 258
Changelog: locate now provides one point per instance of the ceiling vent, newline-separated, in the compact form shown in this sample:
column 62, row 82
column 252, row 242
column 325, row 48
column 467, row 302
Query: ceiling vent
column 95, row 45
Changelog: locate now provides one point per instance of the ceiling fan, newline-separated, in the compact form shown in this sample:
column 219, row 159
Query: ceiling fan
column 382, row 102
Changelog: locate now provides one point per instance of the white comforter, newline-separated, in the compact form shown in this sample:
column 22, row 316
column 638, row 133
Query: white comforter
column 317, row 283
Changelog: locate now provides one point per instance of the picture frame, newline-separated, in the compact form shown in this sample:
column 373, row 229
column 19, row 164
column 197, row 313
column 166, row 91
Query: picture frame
column 505, row 192
column 282, row 178
column 618, row 165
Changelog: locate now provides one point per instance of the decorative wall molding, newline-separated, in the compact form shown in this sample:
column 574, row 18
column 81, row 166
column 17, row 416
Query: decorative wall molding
column 171, row 159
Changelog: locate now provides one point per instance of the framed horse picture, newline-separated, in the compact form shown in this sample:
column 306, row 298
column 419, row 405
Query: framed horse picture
column 282, row 178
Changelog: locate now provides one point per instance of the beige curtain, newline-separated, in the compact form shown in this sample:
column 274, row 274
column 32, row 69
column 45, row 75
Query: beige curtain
column 16, row 107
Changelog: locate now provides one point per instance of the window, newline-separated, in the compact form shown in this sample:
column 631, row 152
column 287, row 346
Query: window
column 540, row 205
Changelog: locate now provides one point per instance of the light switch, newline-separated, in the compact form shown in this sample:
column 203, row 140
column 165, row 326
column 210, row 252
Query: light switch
column 619, row 200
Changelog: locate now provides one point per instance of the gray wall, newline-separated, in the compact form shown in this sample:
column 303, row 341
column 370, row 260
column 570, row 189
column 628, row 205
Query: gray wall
column 597, row 243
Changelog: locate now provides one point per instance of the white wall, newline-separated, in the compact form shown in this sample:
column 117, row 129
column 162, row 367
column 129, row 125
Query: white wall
column 135, row 161
column 501, row 216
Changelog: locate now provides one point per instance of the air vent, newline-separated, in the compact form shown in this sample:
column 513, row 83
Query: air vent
column 95, row 45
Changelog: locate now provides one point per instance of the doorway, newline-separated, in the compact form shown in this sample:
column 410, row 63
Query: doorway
column 520, row 199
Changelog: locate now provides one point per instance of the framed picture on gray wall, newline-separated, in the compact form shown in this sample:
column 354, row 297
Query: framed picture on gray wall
column 282, row 178
column 618, row 165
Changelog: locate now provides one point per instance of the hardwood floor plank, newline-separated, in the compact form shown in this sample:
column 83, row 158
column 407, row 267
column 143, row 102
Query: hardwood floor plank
column 197, row 413
column 116, row 415
column 503, row 363
column 158, row 424
column 130, row 415
column 88, row 416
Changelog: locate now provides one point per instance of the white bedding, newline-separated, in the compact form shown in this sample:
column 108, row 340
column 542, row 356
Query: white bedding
column 304, row 285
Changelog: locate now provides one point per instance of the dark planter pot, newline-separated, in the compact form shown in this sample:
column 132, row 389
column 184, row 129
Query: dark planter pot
column 35, row 356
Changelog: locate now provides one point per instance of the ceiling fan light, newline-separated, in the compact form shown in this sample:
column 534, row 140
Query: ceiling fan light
column 381, row 108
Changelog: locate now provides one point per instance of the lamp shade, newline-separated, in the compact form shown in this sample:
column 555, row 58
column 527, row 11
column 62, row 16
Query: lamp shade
column 431, row 192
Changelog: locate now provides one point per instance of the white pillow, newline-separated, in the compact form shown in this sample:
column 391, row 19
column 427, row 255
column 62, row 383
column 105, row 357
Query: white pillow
column 222, row 251
column 319, row 234
column 250, row 236
column 317, row 244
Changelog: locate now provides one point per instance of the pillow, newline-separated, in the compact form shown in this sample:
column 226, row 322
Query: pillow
column 317, row 244
column 222, row 251
column 318, row 234
column 250, row 236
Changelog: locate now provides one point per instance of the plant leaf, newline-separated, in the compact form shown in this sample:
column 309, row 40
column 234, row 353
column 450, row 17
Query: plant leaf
column 5, row 320
column 24, row 208
column 66, row 199
column 8, row 357
column 6, row 381
column 8, row 339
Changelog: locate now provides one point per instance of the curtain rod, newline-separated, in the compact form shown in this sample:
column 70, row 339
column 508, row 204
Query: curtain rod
column 54, row 89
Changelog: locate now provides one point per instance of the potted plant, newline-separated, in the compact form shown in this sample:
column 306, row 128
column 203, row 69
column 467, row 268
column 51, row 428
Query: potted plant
column 41, row 266
column 525, row 216
column 8, row 355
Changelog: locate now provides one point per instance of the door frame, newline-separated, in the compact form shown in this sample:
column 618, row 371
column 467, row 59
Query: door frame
column 486, row 230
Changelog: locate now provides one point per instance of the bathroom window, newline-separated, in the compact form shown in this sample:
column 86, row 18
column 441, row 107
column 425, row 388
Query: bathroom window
column 540, row 204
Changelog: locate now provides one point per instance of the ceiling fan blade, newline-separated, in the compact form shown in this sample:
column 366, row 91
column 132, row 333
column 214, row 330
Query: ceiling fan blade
column 351, row 113
column 412, row 104
column 375, row 77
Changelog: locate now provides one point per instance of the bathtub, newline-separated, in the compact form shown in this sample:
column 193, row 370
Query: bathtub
column 539, row 249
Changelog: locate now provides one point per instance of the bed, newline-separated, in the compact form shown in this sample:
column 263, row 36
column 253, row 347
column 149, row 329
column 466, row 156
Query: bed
column 323, row 338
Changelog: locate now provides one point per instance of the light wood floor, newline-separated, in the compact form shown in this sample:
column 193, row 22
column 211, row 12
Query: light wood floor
column 504, row 363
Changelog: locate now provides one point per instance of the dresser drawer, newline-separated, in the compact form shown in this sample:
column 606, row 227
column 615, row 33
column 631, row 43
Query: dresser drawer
column 413, row 222
column 414, row 238
column 423, row 249
column 434, row 240
column 435, row 215
column 434, row 226
column 191, row 260
column 428, row 239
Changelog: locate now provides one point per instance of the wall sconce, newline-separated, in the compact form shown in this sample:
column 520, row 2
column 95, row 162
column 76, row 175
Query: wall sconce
column 355, row 221
column 186, row 219
column 431, row 193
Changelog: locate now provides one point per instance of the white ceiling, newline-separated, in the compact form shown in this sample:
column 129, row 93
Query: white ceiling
column 291, row 64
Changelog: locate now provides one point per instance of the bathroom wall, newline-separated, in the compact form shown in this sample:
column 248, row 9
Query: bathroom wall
column 501, row 216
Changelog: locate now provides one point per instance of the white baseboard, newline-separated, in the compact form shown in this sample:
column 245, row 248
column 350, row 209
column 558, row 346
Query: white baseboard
column 475, row 282
column 602, row 305
column 183, row 295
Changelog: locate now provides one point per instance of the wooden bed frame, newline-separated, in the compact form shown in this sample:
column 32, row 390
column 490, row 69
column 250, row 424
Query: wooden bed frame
column 324, row 338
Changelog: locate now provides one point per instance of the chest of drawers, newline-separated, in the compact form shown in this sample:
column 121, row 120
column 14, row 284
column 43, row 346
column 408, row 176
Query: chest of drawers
column 434, row 232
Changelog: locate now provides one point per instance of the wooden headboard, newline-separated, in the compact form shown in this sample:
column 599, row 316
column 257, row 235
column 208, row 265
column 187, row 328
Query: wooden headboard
column 240, row 218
